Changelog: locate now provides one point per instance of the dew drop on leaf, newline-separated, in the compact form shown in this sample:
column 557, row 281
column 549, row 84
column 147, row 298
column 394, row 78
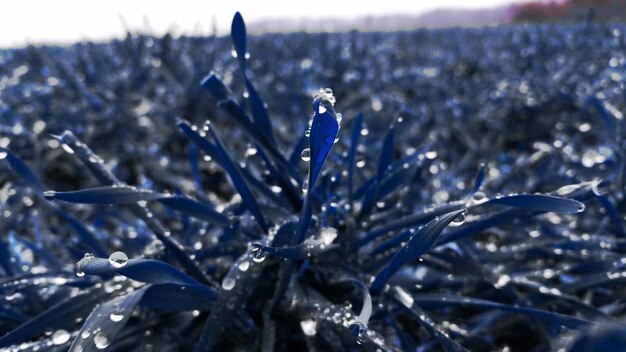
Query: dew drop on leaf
column 118, row 259
column 60, row 337
column 243, row 266
column 101, row 341
column 228, row 283
column 306, row 154
column 258, row 255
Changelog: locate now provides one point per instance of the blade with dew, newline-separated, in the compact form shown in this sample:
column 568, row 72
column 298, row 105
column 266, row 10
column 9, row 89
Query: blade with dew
column 417, row 245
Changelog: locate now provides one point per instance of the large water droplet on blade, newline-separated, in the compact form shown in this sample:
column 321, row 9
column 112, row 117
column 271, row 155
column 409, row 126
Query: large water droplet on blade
column 305, row 186
column 228, row 283
column 101, row 341
column 60, row 337
column 321, row 109
column 243, row 266
column 306, row 154
column 67, row 148
column 117, row 315
column 258, row 255
column 118, row 259
column 459, row 220
column 358, row 329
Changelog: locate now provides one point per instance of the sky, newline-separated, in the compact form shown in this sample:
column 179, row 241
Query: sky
column 24, row 22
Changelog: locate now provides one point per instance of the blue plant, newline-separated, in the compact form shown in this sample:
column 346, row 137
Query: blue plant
column 385, row 244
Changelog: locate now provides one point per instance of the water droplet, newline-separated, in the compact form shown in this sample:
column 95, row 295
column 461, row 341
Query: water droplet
column 307, row 133
column 358, row 330
column 60, row 337
column 459, row 220
column 233, row 53
column 581, row 208
column 3, row 154
column 67, row 148
column 85, row 334
column 116, row 316
column 306, row 154
column 258, row 255
column 49, row 194
column 321, row 109
column 228, row 283
column 276, row 189
column 309, row 327
column 101, row 341
column 243, row 266
column 251, row 151
column 118, row 259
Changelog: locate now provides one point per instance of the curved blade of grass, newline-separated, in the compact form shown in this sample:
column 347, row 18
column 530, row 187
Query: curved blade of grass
column 540, row 202
column 322, row 137
column 448, row 344
column 417, row 245
column 445, row 301
column 311, row 247
column 196, row 209
column 174, row 297
column 23, row 169
column 238, row 182
column 354, row 142
column 384, row 162
column 105, row 195
column 144, row 270
column 106, row 321
column 54, row 317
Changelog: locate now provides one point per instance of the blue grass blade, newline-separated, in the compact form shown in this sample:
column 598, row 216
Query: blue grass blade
column 173, row 297
column 446, row 301
column 238, row 182
column 324, row 130
column 540, row 202
column 418, row 244
column 50, row 259
column 259, row 112
column 409, row 221
column 211, row 150
column 311, row 247
column 5, row 259
column 86, row 236
column 107, row 320
column 21, row 168
column 195, row 209
column 613, row 214
column 475, row 227
column 194, row 165
column 354, row 142
column 478, row 180
column 448, row 344
column 238, row 35
column 207, row 147
column 384, row 162
column 144, row 270
column 105, row 195
column 54, row 317
column 391, row 243
column 214, row 85
column 605, row 337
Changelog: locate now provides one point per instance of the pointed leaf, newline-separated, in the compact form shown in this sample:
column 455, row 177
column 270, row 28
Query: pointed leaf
column 540, row 202
column 105, row 195
column 105, row 322
column 417, row 245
